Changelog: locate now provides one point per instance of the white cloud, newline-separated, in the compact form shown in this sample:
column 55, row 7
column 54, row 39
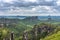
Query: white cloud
column 0, row 0
column 48, row 0
column 8, row 1
column 37, row 10
column 45, row 9
column 30, row 0
column 58, row 2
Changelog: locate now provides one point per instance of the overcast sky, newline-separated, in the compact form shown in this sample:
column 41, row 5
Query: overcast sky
column 30, row 7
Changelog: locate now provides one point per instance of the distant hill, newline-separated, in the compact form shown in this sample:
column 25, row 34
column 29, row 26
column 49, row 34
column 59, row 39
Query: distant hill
column 32, row 17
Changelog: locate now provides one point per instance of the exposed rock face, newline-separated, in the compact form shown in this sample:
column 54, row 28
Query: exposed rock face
column 25, row 35
column 12, row 36
column 41, row 31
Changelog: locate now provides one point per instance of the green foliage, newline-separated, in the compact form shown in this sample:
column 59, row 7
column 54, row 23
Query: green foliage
column 55, row 36
column 29, row 26
column 3, row 33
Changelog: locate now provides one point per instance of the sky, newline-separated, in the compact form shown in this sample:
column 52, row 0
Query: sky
column 30, row 7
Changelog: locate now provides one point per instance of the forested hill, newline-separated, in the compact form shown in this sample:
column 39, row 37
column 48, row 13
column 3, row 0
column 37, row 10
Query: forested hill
column 31, row 27
column 38, row 17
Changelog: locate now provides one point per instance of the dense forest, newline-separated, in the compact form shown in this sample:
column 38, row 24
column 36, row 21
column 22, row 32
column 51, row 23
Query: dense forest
column 30, row 29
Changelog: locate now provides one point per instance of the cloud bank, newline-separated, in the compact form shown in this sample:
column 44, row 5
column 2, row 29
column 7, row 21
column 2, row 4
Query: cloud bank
column 27, row 7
